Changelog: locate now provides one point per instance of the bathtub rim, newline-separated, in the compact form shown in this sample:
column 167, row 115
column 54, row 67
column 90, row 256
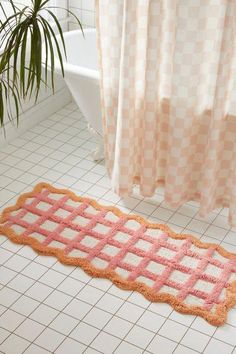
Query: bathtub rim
column 72, row 68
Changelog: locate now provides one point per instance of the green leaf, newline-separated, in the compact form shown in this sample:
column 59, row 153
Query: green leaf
column 21, row 73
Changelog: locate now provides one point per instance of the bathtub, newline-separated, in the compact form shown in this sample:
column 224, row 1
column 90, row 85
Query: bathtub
column 82, row 79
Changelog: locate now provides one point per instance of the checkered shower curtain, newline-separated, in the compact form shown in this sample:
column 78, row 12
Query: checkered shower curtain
column 168, row 88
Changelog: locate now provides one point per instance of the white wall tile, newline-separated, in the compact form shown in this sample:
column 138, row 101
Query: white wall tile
column 85, row 10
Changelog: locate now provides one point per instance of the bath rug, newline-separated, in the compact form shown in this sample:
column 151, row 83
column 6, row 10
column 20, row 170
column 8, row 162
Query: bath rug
column 194, row 277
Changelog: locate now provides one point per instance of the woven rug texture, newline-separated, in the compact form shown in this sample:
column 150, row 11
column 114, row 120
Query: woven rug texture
column 194, row 277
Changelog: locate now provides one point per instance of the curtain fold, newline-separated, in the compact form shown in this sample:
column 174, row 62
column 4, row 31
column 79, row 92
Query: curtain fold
column 168, row 89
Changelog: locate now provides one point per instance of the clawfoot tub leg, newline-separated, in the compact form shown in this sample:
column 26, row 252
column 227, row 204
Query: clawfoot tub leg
column 98, row 153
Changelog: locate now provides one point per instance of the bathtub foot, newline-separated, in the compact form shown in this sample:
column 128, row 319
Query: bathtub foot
column 98, row 153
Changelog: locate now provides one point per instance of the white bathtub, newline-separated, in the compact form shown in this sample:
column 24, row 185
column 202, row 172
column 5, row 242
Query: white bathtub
column 82, row 78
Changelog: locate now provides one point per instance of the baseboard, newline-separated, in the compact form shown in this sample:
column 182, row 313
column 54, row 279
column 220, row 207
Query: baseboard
column 35, row 114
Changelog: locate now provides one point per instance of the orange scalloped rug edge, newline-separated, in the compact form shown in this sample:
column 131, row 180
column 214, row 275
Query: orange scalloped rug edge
column 216, row 319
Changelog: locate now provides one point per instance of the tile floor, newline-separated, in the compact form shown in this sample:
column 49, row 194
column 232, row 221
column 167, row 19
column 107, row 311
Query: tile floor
column 46, row 307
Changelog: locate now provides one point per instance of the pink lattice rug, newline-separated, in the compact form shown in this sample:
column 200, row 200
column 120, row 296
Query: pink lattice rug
column 194, row 277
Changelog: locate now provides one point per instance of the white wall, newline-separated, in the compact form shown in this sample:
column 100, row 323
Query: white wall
column 85, row 10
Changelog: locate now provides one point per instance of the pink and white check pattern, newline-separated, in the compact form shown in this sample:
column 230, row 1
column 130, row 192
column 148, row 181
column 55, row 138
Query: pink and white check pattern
column 137, row 252
column 168, row 83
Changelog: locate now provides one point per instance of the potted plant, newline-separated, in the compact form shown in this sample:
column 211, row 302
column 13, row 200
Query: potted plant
column 23, row 35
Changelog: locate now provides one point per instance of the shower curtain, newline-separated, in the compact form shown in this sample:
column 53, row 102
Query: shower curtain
column 168, row 92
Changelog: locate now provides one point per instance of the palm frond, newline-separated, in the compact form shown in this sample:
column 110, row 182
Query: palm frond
column 10, row 100
column 24, row 34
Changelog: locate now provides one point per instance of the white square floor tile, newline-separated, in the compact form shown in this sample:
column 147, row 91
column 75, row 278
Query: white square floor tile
column 118, row 327
column 216, row 232
column 138, row 299
column 29, row 329
column 6, row 275
column 34, row 270
column 4, row 181
column 2, row 309
column 134, row 312
column 10, row 246
column 62, row 268
column 227, row 334
column 77, row 309
column 4, row 254
column 63, row 324
column 39, row 291
column 21, row 283
column 14, row 344
column 173, row 330
column 44, row 314
column 49, row 339
column 167, row 346
column 27, row 252
column 187, row 210
column 81, row 186
column 90, row 294
column 91, row 177
column 105, row 343
column 25, row 305
column 222, row 221
column 76, row 172
column 97, row 318
column 102, row 284
column 125, row 347
column 202, row 326
column 91, row 351
column 230, row 237
column 84, row 333
column 10, row 320
column 8, row 296
column 14, row 172
column 10, row 160
column 109, row 303
column 162, row 213
column 67, row 180
column 180, row 220
column 215, row 346
column 123, row 294
column 145, row 208
column 139, row 337
column 71, row 286
column 23, row 166
column 184, row 350
column 58, row 300
column 70, row 346
column 3, row 239
column 151, row 321
column 34, row 349
column 48, row 261
column 231, row 319
column 186, row 320
column 16, row 186
column 52, row 278
column 195, row 340
column 198, row 226
column 97, row 191
column 3, row 334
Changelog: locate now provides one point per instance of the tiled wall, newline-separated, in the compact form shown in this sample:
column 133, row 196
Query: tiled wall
column 61, row 14
column 85, row 10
